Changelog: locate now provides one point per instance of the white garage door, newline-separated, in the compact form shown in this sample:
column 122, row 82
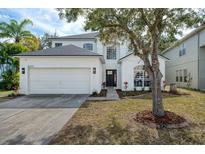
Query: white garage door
column 59, row 81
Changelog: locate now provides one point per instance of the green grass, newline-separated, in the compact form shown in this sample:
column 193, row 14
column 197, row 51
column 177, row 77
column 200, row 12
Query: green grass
column 112, row 122
column 4, row 95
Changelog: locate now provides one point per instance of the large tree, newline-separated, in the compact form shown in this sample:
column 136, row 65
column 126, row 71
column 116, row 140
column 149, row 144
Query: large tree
column 16, row 31
column 145, row 29
column 45, row 41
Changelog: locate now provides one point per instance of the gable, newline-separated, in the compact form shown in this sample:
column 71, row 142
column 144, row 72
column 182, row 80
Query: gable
column 131, row 57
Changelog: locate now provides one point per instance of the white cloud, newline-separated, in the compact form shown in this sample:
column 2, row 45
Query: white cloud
column 3, row 16
column 47, row 20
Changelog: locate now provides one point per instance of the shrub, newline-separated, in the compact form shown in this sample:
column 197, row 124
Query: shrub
column 1, row 85
column 10, row 80
column 94, row 93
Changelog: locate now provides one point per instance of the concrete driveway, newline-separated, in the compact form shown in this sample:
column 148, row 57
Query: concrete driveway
column 35, row 119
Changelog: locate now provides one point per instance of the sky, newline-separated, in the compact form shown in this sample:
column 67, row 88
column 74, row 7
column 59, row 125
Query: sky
column 44, row 20
column 47, row 20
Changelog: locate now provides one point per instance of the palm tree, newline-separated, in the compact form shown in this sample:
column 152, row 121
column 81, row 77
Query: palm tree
column 16, row 31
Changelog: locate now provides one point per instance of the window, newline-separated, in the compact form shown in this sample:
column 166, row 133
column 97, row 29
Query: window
column 180, row 75
column 185, row 75
column 180, row 53
column 109, row 72
column 58, row 44
column 88, row 46
column 177, row 76
column 182, row 50
column 111, row 53
column 146, row 75
column 147, row 83
column 139, row 83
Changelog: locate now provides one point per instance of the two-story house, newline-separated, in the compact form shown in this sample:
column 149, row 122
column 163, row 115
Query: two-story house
column 80, row 64
column 186, row 66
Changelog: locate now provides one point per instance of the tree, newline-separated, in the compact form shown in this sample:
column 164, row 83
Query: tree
column 7, row 51
column 45, row 42
column 15, row 30
column 32, row 43
column 10, row 65
column 146, row 30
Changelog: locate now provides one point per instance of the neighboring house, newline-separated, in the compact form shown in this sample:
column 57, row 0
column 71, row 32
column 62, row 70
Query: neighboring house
column 80, row 64
column 186, row 66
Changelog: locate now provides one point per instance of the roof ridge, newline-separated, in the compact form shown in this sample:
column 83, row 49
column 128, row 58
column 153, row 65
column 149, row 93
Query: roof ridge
column 75, row 36
column 66, row 50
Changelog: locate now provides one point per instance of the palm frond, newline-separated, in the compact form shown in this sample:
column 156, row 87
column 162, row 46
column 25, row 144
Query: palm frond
column 24, row 23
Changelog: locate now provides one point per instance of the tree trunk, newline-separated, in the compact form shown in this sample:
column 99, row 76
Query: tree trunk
column 157, row 105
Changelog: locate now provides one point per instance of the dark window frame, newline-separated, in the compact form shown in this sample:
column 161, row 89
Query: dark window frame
column 182, row 50
column 185, row 75
column 88, row 46
column 177, row 76
column 58, row 44
column 111, row 53
column 180, row 76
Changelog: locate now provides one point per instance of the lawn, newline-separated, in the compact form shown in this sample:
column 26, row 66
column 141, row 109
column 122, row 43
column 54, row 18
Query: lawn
column 4, row 95
column 112, row 122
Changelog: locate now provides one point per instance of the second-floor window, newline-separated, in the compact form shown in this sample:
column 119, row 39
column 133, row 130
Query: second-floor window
column 88, row 46
column 111, row 53
column 182, row 50
column 58, row 44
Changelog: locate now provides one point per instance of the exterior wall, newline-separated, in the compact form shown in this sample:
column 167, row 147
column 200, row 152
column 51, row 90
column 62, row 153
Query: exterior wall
column 188, row 61
column 61, row 62
column 100, row 48
column 112, row 64
column 122, row 50
column 76, row 42
column 202, row 38
column 202, row 60
column 127, row 70
column 202, row 68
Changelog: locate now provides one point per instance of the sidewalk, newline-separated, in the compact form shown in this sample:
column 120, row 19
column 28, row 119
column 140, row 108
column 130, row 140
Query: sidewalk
column 111, row 96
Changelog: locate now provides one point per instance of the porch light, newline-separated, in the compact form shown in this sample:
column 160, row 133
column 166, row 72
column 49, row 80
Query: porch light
column 23, row 70
column 94, row 70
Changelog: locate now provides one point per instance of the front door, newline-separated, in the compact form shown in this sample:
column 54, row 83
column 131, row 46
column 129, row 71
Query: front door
column 111, row 78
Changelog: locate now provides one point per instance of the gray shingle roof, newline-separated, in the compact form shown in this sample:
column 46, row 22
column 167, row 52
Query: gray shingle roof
column 79, row 36
column 68, row 50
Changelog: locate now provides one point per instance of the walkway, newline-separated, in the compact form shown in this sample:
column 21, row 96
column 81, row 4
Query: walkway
column 111, row 96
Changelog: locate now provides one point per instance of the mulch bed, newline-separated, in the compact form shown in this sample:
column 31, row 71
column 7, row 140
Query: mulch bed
column 122, row 94
column 170, row 120
column 102, row 93
column 140, row 94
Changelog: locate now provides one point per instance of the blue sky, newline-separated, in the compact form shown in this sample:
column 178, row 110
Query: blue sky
column 44, row 20
column 47, row 20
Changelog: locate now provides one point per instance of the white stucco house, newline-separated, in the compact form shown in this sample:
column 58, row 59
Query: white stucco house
column 80, row 64
column 186, row 65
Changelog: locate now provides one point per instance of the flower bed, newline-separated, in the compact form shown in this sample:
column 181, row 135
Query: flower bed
column 102, row 93
column 169, row 120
